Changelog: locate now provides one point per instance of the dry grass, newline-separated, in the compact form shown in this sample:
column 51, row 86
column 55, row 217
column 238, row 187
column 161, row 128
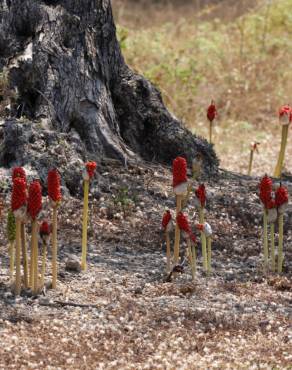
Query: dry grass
column 194, row 53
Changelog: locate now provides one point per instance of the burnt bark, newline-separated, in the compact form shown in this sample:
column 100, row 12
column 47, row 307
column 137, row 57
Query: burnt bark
column 65, row 64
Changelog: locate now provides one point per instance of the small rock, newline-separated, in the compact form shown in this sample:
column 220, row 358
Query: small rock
column 73, row 264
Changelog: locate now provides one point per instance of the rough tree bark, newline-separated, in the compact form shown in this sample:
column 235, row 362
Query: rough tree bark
column 65, row 63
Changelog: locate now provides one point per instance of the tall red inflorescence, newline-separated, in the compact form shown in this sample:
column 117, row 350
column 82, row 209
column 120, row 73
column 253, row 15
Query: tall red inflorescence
column 285, row 114
column 166, row 219
column 19, row 195
column 179, row 171
column 201, row 194
column 34, row 204
column 265, row 187
column 183, row 224
column 90, row 167
column 211, row 111
column 45, row 228
column 281, row 196
column 18, row 172
column 54, row 185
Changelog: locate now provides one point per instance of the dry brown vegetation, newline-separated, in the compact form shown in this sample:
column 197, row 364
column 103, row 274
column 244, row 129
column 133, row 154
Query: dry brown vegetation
column 235, row 52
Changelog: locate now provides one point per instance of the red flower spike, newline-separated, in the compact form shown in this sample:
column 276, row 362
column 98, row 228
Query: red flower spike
column 183, row 222
column 254, row 147
column 34, row 204
column 200, row 227
column 19, row 195
column 166, row 219
column 212, row 111
column 90, row 167
column 179, row 171
column 285, row 114
column 18, row 172
column 271, row 204
column 281, row 196
column 54, row 185
column 201, row 194
column 45, row 228
column 265, row 190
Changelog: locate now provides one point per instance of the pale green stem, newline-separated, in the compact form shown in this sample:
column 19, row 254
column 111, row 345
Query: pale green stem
column 84, row 226
column 278, row 169
column 54, row 248
column 18, row 258
column 168, row 256
column 11, row 253
column 209, row 250
column 210, row 132
column 266, row 250
column 280, row 248
column 24, row 255
column 191, row 258
column 203, row 240
column 273, row 262
column 194, row 259
column 250, row 162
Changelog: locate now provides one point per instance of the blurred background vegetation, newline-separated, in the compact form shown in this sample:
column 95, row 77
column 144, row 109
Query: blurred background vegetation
column 237, row 52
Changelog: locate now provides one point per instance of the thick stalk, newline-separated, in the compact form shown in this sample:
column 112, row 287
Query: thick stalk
column 191, row 258
column 34, row 232
column 54, row 249
column 24, row 255
column 84, row 226
column 280, row 247
column 177, row 230
column 266, row 250
column 44, row 258
column 209, row 251
column 210, row 132
column 18, row 258
column 194, row 267
column 273, row 262
column 187, row 197
column 203, row 240
column 31, row 270
column 278, row 169
column 168, row 257
column 250, row 162
column 11, row 255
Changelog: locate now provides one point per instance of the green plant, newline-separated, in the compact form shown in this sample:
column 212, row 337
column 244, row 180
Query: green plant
column 123, row 200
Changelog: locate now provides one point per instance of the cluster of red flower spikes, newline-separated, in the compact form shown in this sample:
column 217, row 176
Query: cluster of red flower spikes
column 201, row 194
column 54, row 185
column 281, row 195
column 45, row 228
column 183, row 224
column 266, row 186
column 34, row 203
column 19, row 195
column 166, row 219
column 211, row 111
column 90, row 167
column 179, row 171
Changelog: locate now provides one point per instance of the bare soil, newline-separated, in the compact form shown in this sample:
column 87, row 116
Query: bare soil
column 121, row 314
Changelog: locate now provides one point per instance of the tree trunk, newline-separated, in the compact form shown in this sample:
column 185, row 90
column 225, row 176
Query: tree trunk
column 66, row 66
